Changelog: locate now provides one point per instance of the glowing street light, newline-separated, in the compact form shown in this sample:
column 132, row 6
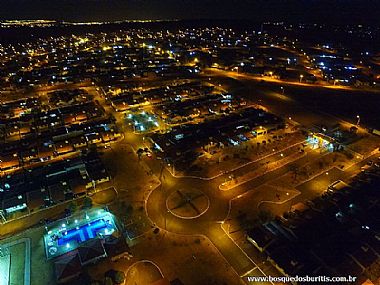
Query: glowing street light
column 358, row 120
column 301, row 77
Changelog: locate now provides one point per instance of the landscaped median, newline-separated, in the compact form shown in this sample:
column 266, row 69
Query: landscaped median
column 237, row 181
column 313, row 168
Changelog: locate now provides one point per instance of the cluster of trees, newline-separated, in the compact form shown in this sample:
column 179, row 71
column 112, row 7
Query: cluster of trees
column 72, row 207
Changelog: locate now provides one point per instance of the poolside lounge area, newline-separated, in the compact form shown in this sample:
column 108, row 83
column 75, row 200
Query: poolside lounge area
column 5, row 263
column 68, row 234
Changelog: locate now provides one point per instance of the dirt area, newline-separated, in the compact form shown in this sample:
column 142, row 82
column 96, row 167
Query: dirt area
column 178, row 257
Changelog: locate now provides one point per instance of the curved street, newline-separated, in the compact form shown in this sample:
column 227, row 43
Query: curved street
column 208, row 224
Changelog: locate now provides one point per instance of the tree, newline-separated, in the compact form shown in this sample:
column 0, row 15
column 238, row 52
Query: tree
column 108, row 281
column 72, row 206
column 87, row 203
column 118, row 277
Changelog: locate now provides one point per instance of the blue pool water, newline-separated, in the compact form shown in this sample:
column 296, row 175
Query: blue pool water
column 85, row 232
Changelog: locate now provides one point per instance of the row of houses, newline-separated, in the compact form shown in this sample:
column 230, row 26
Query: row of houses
column 39, row 121
column 26, row 152
column 51, row 184
column 68, row 97
column 212, row 104
column 170, row 93
column 336, row 234
column 185, row 142
column 17, row 108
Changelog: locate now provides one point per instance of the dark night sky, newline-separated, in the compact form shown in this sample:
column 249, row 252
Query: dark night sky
column 346, row 11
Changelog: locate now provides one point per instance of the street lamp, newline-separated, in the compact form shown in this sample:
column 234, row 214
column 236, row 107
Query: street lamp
column 358, row 120
column 301, row 76
column 282, row 90
column 172, row 168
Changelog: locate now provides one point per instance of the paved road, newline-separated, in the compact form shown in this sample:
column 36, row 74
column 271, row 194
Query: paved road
column 235, row 256
column 207, row 224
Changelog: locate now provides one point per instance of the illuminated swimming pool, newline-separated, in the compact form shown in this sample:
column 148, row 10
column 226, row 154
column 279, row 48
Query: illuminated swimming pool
column 68, row 234
column 85, row 232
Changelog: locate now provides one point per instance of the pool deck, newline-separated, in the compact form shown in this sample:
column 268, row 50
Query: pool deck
column 26, row 261
column 68, row 234
column 5, row 266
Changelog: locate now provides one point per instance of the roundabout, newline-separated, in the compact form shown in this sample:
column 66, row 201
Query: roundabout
column 187, row 203
column 192, row 206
